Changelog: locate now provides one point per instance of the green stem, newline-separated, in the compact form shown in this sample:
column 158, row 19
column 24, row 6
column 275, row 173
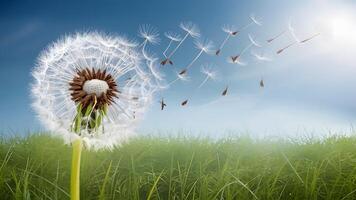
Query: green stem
column 75, row 174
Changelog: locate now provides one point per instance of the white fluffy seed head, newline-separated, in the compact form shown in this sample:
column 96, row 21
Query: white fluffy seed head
column 59, row 64
column 95, row 86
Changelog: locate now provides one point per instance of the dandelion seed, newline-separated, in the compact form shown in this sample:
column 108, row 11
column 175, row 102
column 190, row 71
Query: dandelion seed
column 191, row 30
column 183, row 72
column 286, row 47
column 262, row 84
column 254, row 20
column 253, row 41
column 292, row 32
column 275, row 37
column 149, row 34
column 203, row 47
column 310, row 38
column 224, row 93
column 231, row 31
column 162, row 104
column 209, row 73
column 173, row 37
column 184, row 102
column 182, row 76
column 237, row 58
column 261, row 57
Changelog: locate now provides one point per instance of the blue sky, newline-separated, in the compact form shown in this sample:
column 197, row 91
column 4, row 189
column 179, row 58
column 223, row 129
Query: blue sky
column 308, row 87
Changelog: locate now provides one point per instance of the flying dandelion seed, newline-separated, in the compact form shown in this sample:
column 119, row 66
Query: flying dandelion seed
column 277, row 36
column 254, row 20
column 237, row 58
column 310, row 38
column 253, row 41
column 203, row 47
column 81, row 92
column 262, row 84
column 191, row 30
column 181, row 76
column 260, row 57
column 184, row 71
column 184, row 103
column 292, row 31
column 286, row 47
column 231, row 32
column 149, row 34
column 173, row 37
column 163, row 104
column 209, row 73
column 224, row 93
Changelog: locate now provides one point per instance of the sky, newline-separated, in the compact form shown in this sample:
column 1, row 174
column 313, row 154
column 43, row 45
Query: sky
column 309, row 88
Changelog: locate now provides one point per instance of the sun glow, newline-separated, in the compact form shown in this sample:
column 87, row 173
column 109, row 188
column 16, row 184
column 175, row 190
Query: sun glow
column 343, row 28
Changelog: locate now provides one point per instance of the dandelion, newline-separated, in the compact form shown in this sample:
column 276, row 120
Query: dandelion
column 209, row 73
column 190, row 29
column 90, row 89
column 231, row 31
column 173, row 37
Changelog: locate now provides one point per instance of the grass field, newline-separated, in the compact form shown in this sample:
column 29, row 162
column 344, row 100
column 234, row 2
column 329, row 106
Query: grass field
column 37, row 167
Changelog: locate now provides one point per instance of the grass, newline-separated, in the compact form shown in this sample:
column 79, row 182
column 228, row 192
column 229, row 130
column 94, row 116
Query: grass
column 38, row 167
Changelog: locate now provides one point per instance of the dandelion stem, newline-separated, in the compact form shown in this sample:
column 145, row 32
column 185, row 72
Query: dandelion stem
column 75, row 174
column 195, row 59
column 203, row 82
column 179, row 44
column 165, row 51
column 224, row 42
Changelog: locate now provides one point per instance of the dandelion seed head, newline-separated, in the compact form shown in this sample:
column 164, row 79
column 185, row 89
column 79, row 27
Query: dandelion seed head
column 149, row 33
column 173, row 36
column 92, row 64
column 190, row 28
